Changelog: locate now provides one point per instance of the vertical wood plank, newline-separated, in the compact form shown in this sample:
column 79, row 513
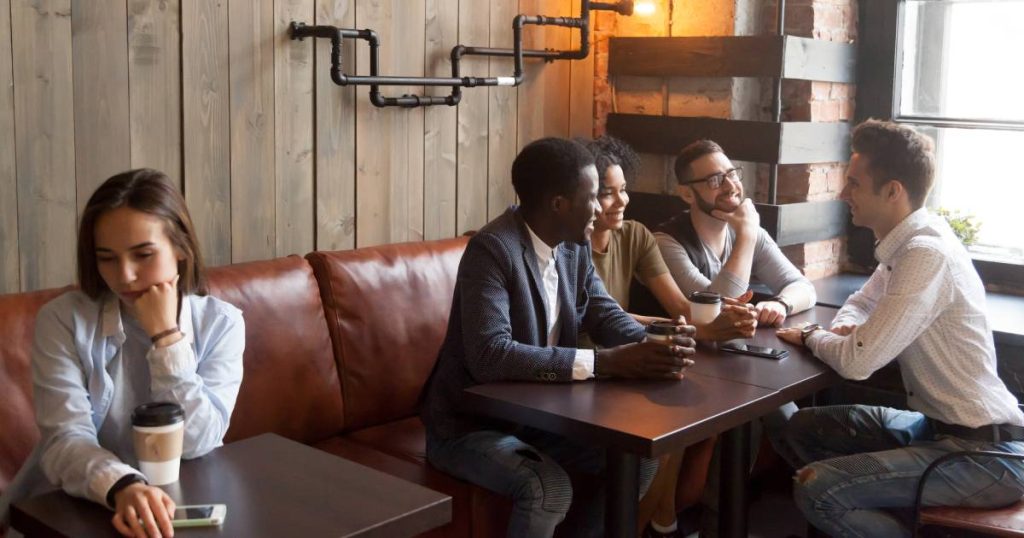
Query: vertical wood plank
column 293, row 120
column 9, row 278
column 533, row 107
column 556, row 74
column 407, row 45
column 253, row 189
column 503, row 104
column 389, row 155
column 471, row 210
column 44, row 141
column 206, row 133
column 374, row 132
column 154, row 82
column 440, row 136
column 335, row 135
column 99, row 45
column 581, row 85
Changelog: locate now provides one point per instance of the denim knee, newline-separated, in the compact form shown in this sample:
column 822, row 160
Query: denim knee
column 543, row 485
column 648, row 468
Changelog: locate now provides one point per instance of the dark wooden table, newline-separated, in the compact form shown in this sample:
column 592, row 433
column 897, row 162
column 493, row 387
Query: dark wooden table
column 721, row 393
column 272, row 486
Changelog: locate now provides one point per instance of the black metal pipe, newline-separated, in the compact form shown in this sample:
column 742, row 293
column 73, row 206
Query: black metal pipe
column 456, row 81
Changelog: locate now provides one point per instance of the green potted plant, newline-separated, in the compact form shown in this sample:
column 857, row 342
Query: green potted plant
column 965, row 226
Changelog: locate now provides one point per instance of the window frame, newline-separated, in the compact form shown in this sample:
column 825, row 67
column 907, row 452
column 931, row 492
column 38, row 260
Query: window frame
column 878, row 96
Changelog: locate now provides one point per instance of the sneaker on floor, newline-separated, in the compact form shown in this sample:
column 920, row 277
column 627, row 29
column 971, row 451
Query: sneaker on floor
column 649, row 532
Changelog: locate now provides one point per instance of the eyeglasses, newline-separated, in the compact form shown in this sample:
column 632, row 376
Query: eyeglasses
column 715, row 180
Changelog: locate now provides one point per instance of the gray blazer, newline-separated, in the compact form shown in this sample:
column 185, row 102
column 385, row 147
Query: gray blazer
column 497, row 328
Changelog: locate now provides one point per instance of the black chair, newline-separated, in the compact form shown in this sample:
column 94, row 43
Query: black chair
column 1005, row 521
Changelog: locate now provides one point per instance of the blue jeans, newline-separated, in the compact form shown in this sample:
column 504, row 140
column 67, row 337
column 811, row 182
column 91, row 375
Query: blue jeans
column 530, row 467
column 861, row 465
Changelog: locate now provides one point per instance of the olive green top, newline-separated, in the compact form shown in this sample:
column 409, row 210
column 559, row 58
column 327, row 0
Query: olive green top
column 632, row 253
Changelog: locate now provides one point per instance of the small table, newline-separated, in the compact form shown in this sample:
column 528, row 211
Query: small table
column 272, row 486
column 721, row 393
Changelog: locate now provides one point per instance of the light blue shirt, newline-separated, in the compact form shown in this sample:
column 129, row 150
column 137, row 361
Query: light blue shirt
column 80, row 389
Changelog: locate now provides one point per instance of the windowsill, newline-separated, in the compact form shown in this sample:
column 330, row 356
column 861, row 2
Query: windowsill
column 1005, row 311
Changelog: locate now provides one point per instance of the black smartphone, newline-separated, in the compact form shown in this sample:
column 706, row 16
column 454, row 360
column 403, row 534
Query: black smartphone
column 757, row 351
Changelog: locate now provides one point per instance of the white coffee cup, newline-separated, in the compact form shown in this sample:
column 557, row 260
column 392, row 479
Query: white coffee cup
column 158, row 429
column 704, row 307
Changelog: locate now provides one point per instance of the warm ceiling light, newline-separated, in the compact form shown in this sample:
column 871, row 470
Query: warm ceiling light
column 643, row 8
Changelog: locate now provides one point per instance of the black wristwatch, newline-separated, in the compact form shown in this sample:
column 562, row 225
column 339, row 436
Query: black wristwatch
column 124, row 482
column 807, row 331
column 783, row 302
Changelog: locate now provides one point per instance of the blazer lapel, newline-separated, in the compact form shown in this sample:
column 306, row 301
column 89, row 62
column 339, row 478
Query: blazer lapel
column 565, row 264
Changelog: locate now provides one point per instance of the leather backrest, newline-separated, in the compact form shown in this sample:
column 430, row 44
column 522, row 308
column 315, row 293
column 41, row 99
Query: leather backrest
column 387, row 309
column 290, row 383
column 18, row 432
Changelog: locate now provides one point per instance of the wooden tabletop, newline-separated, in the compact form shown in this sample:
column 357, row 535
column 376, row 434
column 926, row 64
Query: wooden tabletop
column 651, row 418
column 272, row 486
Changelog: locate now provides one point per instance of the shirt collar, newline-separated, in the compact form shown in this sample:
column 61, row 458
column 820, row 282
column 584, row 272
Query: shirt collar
column 113, row 326
column 544, row 252
column 891, row 244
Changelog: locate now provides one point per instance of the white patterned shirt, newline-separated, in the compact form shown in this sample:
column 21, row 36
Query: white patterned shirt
column 925, row 307
column 583, row 365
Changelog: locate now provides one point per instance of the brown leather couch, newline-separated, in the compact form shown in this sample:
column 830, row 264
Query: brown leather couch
column 338, row 346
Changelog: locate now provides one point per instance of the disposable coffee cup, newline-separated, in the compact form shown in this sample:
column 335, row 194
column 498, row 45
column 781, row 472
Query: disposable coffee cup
column 661, row 331
column 704, row 307
column 158, row 429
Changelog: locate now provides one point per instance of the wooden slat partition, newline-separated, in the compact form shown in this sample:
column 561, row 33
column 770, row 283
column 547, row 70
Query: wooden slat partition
column 206, row 131
column 440, row 137
column 10, row 279
column 102, row 131
column 293, row 124
column 253, row 133
column 44, row 141
column 733, row 56
column 502, row 120
column 335, row 137
column 473, row 127
column 154, row 83
column 788, row 224
column 273, row 157
column 766, row 142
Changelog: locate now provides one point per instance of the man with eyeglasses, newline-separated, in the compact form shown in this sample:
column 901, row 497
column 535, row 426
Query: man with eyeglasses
column 718, row 245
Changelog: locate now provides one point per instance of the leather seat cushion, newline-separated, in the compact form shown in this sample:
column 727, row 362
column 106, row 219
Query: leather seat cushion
column 387, row 309
column 290, row 382
column 1008, row 521
column 17, row 417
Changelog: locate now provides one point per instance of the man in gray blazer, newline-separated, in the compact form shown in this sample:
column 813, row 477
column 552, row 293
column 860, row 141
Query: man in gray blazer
column 525, row 288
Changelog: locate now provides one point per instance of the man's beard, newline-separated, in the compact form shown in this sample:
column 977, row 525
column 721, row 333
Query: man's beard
column 706, row 207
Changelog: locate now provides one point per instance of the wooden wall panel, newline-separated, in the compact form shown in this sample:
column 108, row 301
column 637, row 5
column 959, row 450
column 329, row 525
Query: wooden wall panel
column 293, row 120
column 581, row 86
column 44, row 141
column 335, row 136
column 9, row 277
column 99, row 40
column 502, row 114
column 389, row 152
column 154, row 84
column 253, row 189
column 473, row 133
column 440, row 136
column 206, row 130
column 272, row 156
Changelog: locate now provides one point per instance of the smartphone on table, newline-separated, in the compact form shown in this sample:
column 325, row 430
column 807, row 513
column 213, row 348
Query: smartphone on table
column 757, row 351
column 199, row 515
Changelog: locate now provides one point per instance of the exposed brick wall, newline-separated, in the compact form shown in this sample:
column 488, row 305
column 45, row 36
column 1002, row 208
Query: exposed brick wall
column 833, row 20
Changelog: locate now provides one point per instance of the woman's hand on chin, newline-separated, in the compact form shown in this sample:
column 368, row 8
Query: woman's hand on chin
column 143, row 511
column 157, row 309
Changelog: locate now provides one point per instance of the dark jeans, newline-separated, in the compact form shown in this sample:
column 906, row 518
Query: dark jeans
column 530, row 467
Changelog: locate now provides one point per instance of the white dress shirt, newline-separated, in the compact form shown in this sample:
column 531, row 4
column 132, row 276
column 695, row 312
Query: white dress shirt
column 583, row 365
column 924, row 306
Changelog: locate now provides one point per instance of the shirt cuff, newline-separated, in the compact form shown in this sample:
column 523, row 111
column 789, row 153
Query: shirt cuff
column 106, row 478
column 173, row 360
column 583, row 365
